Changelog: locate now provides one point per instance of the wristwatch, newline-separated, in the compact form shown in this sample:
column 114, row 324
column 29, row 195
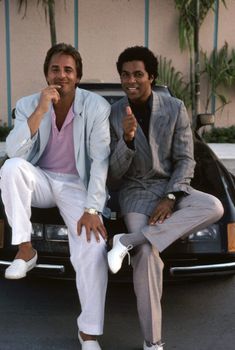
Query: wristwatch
column 171, row 196
column 91, row 211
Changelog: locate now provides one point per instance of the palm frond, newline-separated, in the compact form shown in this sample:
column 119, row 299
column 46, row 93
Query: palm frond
column 169, row 76
column 187, row 18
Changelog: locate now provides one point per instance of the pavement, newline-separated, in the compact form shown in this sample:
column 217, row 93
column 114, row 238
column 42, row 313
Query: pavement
column 224, row 151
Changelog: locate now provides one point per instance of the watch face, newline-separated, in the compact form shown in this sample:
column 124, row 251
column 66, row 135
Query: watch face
column 91, row 211
column 171, row 196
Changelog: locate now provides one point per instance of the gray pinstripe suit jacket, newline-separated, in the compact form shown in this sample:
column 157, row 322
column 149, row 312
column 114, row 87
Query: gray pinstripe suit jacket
column 164, row 164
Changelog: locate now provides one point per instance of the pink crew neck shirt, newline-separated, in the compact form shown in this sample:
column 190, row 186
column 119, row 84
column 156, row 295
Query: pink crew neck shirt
column 58, row 156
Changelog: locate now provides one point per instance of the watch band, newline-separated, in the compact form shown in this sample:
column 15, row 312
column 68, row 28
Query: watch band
column 171, row 196
column 91, row 211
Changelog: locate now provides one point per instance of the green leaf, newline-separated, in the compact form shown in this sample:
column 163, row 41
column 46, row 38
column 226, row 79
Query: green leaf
column 168, row 75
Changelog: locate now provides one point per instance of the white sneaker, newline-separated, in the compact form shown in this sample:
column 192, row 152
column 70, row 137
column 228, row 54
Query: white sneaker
column 118, row 253
column 153, row 346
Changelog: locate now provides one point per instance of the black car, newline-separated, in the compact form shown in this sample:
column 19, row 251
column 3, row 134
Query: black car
column 209, row 251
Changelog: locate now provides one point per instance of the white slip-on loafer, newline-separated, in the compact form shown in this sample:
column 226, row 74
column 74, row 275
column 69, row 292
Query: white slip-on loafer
column 153, row 346
column 118, row 253
column 88, row 344
column 19, row 268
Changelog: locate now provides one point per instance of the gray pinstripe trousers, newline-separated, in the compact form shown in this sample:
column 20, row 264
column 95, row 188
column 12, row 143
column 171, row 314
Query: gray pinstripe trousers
column 193, row 212
column 147, row 277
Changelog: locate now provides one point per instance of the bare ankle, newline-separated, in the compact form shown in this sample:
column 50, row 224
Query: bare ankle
column 26, row 251
column 25, row 246
column 87, row 336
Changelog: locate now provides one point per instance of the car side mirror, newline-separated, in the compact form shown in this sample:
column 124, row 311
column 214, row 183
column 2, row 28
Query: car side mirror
column 205, row 119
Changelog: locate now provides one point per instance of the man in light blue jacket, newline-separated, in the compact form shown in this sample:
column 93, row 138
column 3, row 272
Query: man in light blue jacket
column 58, row 150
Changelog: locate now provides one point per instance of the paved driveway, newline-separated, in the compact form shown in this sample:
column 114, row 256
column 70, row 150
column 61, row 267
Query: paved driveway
column 40, row 314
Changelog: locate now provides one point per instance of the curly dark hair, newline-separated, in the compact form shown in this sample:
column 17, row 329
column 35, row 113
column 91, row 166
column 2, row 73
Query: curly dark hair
column 65, row 49
column 139, row 53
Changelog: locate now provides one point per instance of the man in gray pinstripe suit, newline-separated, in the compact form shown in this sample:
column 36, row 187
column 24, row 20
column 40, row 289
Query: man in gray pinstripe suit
column 152, row 163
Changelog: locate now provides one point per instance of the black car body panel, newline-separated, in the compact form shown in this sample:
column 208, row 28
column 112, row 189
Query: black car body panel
column 209, row 251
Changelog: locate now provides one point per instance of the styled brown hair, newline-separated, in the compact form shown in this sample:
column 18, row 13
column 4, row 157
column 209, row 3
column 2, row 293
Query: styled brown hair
column 65, row 49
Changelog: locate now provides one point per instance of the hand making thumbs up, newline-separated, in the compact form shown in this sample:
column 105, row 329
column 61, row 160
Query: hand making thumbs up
column 129, row 125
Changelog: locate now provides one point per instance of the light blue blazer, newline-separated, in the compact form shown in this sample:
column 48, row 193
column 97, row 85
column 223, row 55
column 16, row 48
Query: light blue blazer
column 91, row 140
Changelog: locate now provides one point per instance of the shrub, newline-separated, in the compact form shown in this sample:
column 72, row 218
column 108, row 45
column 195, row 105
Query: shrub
column 220, row 135
column 4, row 131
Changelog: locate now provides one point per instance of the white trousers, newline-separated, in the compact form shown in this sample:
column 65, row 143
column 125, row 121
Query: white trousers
column 24, row 185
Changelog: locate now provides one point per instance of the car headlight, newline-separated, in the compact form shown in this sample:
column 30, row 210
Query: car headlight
column 37, row 231
column 211, row 233
column 56, row 233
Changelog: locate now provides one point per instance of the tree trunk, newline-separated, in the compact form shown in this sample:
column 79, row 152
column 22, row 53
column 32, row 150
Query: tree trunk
column 196, row 62
column 51, row 12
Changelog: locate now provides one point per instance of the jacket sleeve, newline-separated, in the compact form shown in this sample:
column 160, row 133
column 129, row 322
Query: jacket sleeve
column 19, row 142
column 182, row 154
column 98, row 156
column 121, row 155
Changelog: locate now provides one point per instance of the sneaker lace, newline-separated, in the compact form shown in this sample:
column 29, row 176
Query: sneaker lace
column 158, row 346
column 126, row 252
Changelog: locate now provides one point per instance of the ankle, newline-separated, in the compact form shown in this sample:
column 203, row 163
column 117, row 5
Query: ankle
column 26, row 251
column 124, row 240
column 85, row 336
column 25, row 247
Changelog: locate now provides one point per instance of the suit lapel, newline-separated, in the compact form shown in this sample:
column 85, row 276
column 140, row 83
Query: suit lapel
column 142, row 144
column 78, row 122
column 157, row 129
column 156, row 114
column 44, row 131
column 140, row 139
column 149, row 150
